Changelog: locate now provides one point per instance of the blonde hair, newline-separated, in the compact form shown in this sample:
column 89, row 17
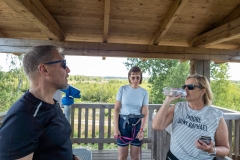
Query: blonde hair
column 204, row 83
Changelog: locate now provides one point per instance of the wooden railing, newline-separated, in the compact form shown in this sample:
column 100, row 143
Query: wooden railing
column 98, row 128
column 93, row 124
column 233, row 123
column 98, row 123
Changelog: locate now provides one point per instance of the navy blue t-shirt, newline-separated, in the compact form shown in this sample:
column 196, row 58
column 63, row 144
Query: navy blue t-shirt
column 32, row 125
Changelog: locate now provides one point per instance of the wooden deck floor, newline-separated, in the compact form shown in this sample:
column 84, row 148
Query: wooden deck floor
column 113, row 154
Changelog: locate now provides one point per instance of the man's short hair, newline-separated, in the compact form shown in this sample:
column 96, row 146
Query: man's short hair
column 37, row 55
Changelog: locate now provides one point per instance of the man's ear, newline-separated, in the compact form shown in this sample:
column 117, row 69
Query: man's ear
column 42, row 69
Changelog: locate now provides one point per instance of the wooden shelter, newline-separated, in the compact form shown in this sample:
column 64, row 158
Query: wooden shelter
column 196, row 30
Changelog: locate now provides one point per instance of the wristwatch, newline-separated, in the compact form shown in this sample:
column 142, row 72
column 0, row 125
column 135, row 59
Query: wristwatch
column 214, row 152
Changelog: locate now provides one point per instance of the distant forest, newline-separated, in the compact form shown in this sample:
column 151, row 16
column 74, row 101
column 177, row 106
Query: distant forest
column 163, row 73
column 100, row 89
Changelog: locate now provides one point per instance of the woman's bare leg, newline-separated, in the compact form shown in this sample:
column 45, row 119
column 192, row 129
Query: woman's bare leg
column 135, row 152
column 122, row 153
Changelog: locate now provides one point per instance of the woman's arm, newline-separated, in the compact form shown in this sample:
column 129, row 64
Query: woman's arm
column 140, row 134
column 116, row 118
column 144, row 119
column 165, row 114
column 221, row 139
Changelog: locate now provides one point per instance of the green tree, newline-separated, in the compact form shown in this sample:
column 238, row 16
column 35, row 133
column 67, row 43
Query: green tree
column 225, row 93
column 162, row 73
column 172, row 73
column 12, row 83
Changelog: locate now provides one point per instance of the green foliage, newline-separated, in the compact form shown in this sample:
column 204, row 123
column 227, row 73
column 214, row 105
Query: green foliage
column 163, row 73
column 172, row 73
column 99, row 91
column 219, row 71
column 12, row 83
column 103, row 91
column 226, row 94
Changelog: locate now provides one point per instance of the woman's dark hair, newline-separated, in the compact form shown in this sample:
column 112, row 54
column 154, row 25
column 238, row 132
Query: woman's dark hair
column 135, row 69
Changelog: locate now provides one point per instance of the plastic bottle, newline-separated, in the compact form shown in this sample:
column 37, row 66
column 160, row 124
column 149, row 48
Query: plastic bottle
column 169, row 91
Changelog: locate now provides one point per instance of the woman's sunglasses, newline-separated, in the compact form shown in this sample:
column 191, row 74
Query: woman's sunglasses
column 64, row 65
column 191, row 86
column 135, row 77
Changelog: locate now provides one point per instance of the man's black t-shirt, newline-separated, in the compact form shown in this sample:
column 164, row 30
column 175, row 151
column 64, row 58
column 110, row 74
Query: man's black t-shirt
column 35, row 126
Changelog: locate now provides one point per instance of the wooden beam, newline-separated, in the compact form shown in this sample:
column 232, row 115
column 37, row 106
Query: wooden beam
column 2, row 35
column 144, row 59
column 220, row 34
column 9, row 45
column 17, row 54
column 106, row 20
column 219, row 62
column 231, row 17
column 182, row 60
column 34, row 11
column 200, row 67
column 168, row 20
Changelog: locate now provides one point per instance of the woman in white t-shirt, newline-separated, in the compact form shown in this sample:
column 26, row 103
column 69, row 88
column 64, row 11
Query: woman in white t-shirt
column 191, row 120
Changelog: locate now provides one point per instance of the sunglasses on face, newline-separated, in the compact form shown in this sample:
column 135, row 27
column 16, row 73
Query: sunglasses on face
column 64, row 65
column 191, row 86
column 135, row 77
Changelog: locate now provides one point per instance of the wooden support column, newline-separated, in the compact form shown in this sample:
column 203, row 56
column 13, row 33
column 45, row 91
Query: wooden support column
column 200, row 67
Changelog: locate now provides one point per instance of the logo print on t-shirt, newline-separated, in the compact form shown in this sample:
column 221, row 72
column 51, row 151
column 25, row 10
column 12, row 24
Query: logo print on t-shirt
column 193, row 122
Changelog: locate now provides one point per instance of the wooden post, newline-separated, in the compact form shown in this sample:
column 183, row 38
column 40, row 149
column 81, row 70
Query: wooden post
column 160, row 144
column 72, row 121
column 101, row 127
column 149, row 126
column 237, row 140
column 200, row 67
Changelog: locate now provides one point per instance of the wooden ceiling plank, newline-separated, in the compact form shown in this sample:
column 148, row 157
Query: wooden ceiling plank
column 231, row 17
column 8, row 45
column 168, row 20
column 106, row 20
column 2, row 35
column 218, row 35
column 35, row 12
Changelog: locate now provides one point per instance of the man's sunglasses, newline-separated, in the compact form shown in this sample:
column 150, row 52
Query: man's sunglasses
column 135, row 77
column 191, row 86
column 64, row 65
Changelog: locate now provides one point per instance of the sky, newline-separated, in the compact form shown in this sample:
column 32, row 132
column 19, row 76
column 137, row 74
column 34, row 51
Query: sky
column 95, row 66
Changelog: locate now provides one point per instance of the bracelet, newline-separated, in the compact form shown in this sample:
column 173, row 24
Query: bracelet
column 141, row 129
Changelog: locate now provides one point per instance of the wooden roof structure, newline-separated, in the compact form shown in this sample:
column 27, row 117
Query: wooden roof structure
column 169, row 29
